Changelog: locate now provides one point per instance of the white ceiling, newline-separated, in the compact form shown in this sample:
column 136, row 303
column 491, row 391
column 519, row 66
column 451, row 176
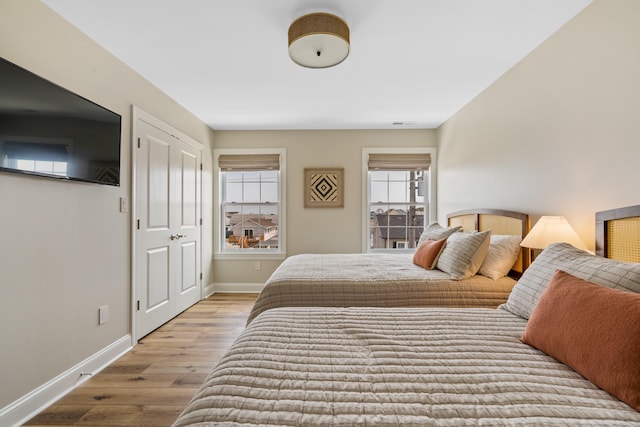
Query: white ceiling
column 412, row 61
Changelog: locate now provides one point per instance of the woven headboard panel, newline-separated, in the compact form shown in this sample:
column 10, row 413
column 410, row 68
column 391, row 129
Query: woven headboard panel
column 618, row 234
column 500, row 222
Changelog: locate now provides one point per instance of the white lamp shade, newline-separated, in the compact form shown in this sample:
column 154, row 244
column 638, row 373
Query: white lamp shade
column 318, row 50
column 552, row 229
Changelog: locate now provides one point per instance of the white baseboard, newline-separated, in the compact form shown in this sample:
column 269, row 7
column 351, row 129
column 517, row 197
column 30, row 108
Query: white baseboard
column 35, row 401
column 209, row 290
column 238, row 288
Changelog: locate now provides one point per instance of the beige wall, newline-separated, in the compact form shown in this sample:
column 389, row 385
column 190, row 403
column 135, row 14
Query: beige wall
column 65, row 247
column 315, row 230
column 558, row 134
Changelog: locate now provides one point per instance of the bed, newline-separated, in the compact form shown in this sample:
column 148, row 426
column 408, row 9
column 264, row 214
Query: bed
column 393, row 280
column 346, row 366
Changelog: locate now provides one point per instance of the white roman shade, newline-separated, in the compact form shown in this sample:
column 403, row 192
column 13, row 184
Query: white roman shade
column 249, row 162
column 394, row 162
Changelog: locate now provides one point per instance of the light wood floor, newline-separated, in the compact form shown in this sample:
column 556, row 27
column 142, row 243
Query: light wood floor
column 150, row 385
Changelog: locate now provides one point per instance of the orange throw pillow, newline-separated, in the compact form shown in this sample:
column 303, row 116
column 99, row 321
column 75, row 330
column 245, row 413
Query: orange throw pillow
column 428, row 252
column 593, row 329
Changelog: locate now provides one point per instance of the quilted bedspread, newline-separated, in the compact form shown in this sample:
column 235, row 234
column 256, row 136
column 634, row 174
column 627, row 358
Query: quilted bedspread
column 395, row 366
column 373, row 280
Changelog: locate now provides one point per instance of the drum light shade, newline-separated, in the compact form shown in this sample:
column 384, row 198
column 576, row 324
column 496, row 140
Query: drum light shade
column 318, row 40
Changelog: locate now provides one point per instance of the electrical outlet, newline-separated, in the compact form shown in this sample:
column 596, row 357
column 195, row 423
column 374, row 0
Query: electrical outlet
column 256, row 265
column 103, row 314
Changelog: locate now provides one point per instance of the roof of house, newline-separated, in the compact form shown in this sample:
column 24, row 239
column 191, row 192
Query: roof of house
column 394, row 226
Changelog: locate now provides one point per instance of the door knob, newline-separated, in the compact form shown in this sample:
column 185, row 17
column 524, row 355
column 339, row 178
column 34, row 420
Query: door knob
column 177, row 236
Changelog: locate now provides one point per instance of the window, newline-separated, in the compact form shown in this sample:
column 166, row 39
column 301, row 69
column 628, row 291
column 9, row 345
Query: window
column 250, row 218
column 398, row 198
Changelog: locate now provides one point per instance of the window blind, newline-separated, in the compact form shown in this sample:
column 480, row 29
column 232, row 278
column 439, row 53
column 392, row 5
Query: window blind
column 249, row 162
column 394, row 162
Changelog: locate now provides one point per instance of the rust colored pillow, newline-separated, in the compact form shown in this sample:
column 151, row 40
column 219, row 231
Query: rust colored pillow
column 593, row 329
column 427, row 254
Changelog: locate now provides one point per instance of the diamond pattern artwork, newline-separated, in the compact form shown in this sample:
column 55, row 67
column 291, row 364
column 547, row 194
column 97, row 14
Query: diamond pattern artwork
column 323, row 188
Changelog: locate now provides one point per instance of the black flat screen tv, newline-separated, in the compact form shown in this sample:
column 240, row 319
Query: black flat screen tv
column 49, row 131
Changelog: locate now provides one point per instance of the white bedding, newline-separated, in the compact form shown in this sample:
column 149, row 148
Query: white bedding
column 373, row 280
column 395, row 366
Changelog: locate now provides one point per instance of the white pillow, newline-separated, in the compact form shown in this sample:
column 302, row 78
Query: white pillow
column 503, row 253
column 463, row 254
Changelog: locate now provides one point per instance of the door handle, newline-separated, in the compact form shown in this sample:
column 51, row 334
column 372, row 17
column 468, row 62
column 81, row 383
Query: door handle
column 177, row 236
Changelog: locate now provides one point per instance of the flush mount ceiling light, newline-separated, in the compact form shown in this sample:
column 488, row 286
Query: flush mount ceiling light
column 318, row 40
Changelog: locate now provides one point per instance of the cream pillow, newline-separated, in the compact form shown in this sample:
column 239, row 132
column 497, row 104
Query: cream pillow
column 435, row 231
column 463, row 254
column 503, row 253
column 562, row 256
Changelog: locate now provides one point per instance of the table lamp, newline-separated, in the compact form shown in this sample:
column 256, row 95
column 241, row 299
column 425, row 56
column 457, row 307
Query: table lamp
column 552, row 229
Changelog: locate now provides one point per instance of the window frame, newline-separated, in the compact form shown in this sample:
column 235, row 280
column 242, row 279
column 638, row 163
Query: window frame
column 431, row 199
column 218, row 217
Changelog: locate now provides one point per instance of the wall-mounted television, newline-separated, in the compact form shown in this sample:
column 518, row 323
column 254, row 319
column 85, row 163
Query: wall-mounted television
column 49, row 131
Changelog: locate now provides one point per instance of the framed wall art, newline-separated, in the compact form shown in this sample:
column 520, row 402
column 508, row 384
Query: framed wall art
column 323, row 187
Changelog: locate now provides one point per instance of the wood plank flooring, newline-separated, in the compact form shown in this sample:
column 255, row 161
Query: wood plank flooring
column 150, row 385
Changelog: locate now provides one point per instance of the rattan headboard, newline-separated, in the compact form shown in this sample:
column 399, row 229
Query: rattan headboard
column 500, row 222
column 618, row 234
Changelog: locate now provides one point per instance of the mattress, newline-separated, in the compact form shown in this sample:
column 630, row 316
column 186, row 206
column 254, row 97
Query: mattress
column 373, row 280
column 398, row 366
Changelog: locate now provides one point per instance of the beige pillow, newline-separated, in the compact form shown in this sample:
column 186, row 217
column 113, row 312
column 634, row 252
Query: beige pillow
column 463, row 254
column 503, row 253
column 562, row 256
column 435, row 231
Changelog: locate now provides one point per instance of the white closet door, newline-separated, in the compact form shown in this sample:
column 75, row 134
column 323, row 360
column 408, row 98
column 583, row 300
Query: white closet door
column 167, row 230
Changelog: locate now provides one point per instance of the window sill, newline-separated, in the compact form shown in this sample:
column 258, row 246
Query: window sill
column 249, row 256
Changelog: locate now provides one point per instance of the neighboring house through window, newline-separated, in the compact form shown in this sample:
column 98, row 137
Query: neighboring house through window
column 250, row 217
column 399, row 197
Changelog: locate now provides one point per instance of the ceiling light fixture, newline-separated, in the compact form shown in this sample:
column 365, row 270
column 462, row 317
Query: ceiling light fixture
column 318, row 40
